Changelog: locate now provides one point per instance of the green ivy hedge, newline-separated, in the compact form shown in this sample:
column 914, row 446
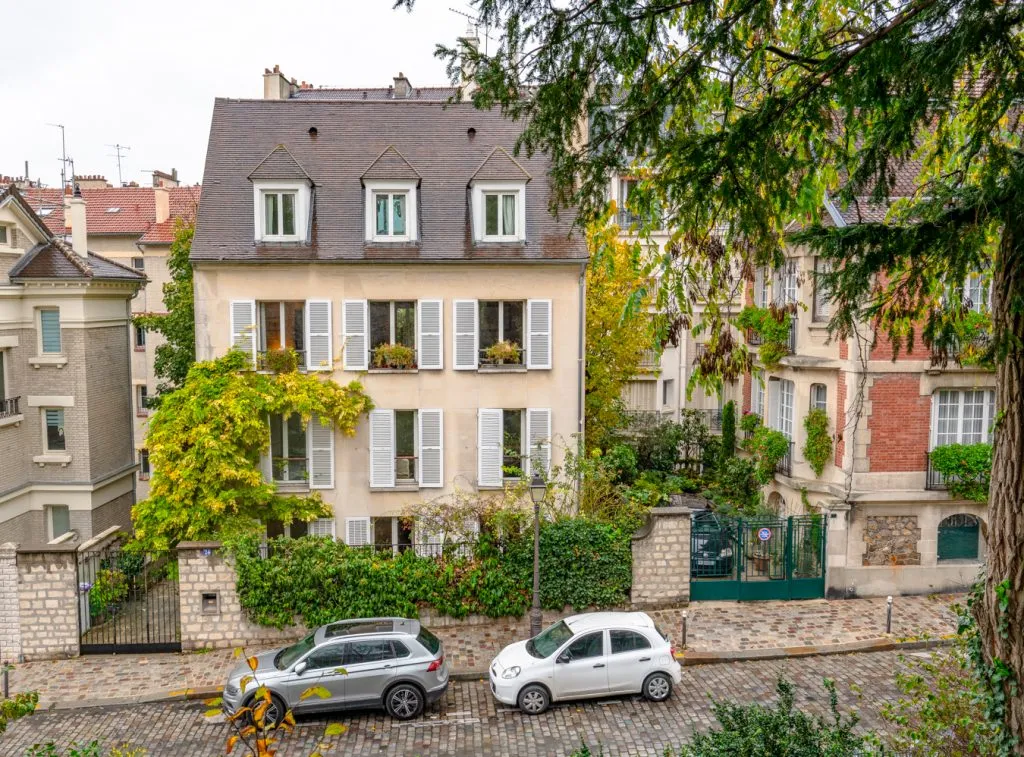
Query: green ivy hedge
column 583, row 564
column 967, row 469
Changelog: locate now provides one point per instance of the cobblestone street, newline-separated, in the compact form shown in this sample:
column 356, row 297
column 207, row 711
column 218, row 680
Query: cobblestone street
column 469, row 722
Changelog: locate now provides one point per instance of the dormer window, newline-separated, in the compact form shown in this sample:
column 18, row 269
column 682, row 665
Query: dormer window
column 278, row 214
column 390, row 210
column 499, row 213
column 281, row 210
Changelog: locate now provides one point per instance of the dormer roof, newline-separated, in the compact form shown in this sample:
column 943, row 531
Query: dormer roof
column 391, row 164
column 279, row 164
column 501, row 166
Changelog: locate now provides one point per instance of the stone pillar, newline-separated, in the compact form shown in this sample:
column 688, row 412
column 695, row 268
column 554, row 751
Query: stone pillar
column 48, row 602
column 661, row 559
column 10, row 623
column 837, row 544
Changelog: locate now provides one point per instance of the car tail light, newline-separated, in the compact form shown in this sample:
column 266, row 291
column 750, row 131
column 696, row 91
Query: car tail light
column 672, row 651
column 436, row 664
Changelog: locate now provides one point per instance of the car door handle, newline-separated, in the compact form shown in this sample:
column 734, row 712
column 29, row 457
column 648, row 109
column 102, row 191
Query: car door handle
column 645, row 659
column 599, row 665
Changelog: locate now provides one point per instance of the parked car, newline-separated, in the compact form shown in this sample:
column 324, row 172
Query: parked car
column 370, row 662
column 590, row 655
column 712, row 546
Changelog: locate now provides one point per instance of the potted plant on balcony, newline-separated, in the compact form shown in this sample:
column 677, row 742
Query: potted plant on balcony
column 394, row 357
column 504, row 352
column 279, row 361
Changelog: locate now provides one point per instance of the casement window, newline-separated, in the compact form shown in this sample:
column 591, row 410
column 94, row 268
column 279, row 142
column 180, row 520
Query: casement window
column 142, row 400
column 626, row 217
column 481, row 325
column 391, row 533
column 144, row 469
column 781, row 393
column 822, row 309
column 499, row 213
column 977, row 294
column 668, row 392
column 58, row 521
column 303, row 326
column 300, row 454
column 391, row 213
column 49, row 331
column 279, row 214
column 962, row 416
column 53, row 429
column 281, row 210
column 512, row 444
column 139, row 264
column 785, row 284
column 757, row 394
column 760, row 288
column 369, row 325
column 140, row 338
column 4, row 236
column 406, row 448
column 819, row 397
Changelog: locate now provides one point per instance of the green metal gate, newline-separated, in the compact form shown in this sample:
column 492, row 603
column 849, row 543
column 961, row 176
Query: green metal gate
column 757, row 558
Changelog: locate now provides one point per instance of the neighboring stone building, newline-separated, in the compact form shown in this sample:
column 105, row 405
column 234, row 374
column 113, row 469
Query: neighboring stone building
column 893, row 528
column 66, row 453
column 336, row 222
column 133, row 226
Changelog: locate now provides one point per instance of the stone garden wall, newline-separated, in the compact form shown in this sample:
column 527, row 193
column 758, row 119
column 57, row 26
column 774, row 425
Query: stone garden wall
column 891, row 540
column 661, row 559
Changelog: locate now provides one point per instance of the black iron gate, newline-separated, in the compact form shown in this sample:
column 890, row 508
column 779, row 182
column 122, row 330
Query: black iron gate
column 757, row 558
column 128, row 601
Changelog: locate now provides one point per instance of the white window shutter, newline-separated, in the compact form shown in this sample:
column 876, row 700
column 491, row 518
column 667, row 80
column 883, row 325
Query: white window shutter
column 322, row 527
column 465, row 339
column 243, row 327
column 431, row 452
column 538, row 327
column 382, row 449
column 759, row 288
column 321, row 454
column 356, row 327
column 489, row 445
column 430, row 336
column 318, row 335
column 774, row 405
column 357, row 531
column 538, row 434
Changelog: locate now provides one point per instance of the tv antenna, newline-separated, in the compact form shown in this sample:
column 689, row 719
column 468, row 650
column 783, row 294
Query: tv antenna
column 65, row 161
column 118, row 149
column 476, row 23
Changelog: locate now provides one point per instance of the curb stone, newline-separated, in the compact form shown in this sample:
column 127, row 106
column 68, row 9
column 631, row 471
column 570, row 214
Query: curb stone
column 686, row 659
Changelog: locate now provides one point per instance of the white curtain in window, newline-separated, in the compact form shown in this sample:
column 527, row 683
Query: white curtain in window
column 508, row 215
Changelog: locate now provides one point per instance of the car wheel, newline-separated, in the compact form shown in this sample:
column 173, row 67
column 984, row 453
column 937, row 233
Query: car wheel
column 657, row 687
column 275, row 712
column 534, row 699
column 404, row 702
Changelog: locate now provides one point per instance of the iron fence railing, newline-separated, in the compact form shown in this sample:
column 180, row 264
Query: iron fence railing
column 785, row 465
column 9, row 406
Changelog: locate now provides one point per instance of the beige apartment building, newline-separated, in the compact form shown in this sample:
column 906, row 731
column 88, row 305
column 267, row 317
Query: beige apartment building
column 341, row 223
column 133, row 226
column 66, row 455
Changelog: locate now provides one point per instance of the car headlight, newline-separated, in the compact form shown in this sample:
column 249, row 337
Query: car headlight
column 512, row 672
column 727, row 552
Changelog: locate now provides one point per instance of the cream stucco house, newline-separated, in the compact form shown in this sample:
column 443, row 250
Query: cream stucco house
column 337, row 222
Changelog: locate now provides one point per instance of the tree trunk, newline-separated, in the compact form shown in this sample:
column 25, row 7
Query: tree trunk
column 1002, row 631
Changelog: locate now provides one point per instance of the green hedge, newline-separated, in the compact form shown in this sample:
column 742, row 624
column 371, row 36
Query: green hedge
column 583, row 564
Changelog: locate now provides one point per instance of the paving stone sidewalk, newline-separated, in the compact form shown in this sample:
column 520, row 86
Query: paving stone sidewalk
column 730, row 629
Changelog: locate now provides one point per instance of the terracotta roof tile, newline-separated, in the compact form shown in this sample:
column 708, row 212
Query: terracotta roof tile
column 135, row 214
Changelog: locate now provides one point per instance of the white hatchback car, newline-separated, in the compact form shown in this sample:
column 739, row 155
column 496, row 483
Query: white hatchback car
column 592, row 655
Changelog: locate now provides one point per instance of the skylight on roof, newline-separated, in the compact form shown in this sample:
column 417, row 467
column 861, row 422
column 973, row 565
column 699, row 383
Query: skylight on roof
column 45, row 211
column 113, row 210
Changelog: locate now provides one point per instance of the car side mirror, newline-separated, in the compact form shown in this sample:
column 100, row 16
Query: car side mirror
column 563, row 658
column 300, row 667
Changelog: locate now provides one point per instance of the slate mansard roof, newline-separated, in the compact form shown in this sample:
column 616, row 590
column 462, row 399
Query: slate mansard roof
column 441, row 146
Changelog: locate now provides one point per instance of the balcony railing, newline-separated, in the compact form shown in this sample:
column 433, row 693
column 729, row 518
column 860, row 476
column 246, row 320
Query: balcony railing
column 277, row 360
column 754, row 338
column 389, row 367
column 649, row 360
column 713, row 419
column 9, row 407
column 933, row 481
column 625, row 219
column 785, row 465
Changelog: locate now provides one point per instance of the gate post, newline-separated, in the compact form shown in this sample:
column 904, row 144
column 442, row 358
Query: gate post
column 10, row 615
column 661, row 559
column 48, row 601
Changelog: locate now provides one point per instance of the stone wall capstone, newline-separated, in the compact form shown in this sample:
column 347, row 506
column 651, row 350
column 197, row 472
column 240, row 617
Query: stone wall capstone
column 891, row 540
column 48, row 602
column 10, row 615
column 661, row 559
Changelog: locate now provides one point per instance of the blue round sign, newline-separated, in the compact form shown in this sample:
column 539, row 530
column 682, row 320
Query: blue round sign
column 764, row 534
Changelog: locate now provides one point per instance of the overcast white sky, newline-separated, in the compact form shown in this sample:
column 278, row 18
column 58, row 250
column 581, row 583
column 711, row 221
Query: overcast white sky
column 144, row 74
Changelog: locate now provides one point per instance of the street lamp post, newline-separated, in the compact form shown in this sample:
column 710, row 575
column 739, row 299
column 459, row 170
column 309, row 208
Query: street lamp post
column 537, row 491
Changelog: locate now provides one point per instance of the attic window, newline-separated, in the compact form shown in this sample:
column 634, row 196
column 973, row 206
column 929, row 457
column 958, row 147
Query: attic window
column 113, row 210
column 43, row 212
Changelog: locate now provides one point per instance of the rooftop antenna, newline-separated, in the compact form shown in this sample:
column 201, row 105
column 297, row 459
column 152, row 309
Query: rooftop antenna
column 117, row 149
column 476, row 23
column 64, row 160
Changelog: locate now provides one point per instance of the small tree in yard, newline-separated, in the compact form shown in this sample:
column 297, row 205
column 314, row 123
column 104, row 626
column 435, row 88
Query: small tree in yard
column 728, row 430
column 205, row 442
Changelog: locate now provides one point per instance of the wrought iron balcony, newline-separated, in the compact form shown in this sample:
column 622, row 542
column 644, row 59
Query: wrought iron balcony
column 754, row 338
column 933, row 481
column 9, row 407
column 785, row 465
column 649, row 361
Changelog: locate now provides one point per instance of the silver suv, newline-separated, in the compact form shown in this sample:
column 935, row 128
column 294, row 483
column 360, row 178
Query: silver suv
column 368, row 662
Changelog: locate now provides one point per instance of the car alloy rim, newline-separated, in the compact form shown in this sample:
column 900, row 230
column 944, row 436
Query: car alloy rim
column 270, row 716
column 404, row 702
column 533, row 701
column 657, row 687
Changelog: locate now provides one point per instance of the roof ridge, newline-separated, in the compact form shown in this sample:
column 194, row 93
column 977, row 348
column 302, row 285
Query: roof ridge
column 73, row 257
column 112, row 262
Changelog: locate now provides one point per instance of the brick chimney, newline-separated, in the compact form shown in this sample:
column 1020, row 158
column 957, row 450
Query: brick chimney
column 276, row 86
column 467, row 69
column 402, row 88
column 92, row 181
column 162, row 200
column 74, row 214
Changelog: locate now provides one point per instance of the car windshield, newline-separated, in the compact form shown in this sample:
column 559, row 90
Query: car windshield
column 287, row 656
column 548, row 641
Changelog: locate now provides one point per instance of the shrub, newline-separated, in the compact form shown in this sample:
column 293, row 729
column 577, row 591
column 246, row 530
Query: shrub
column 315, row 580
column 967, row 469
column 397, row 357
column 750, row 422
column 758, row 730
column 108, row 590
column 16, row 707
column 728, row 430
column 772, row 325
column 818, row 447
column 504, row 352
column 768, row 447
column 657, row 445
column 279, row 361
